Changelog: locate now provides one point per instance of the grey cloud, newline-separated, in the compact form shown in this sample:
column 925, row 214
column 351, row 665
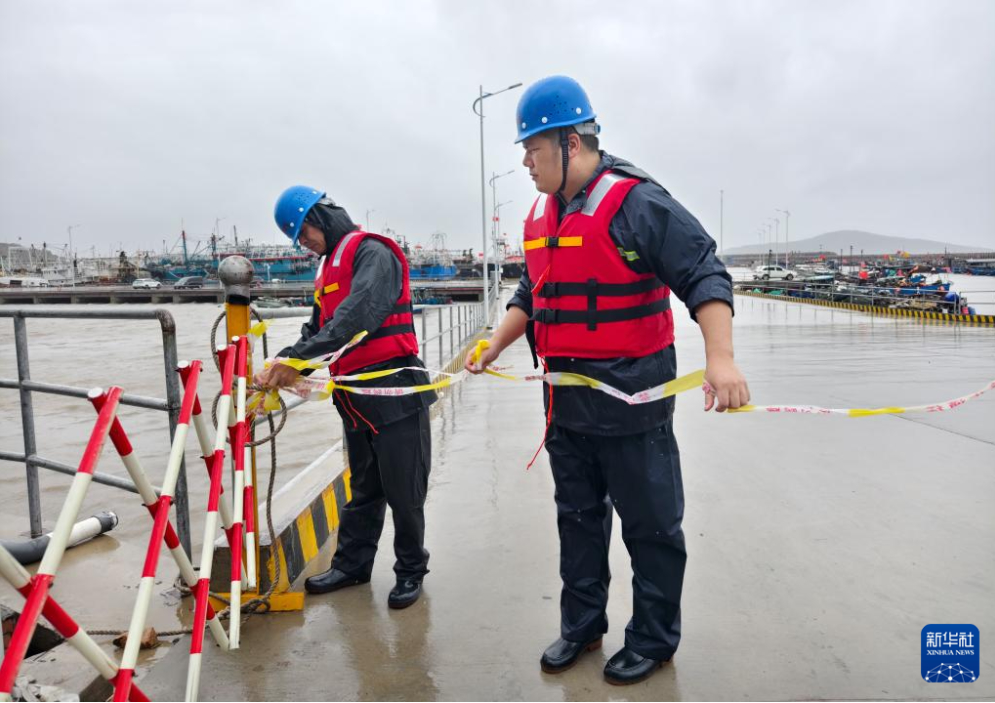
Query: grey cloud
column 128, row 117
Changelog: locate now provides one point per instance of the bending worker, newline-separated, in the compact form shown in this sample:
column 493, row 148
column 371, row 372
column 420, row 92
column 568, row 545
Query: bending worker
column 604, row 246
column 362, row 285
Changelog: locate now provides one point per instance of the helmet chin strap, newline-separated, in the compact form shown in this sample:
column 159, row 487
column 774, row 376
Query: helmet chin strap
column 565, row 150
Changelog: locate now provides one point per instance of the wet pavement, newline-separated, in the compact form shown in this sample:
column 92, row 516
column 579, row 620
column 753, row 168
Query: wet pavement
column 819, row 547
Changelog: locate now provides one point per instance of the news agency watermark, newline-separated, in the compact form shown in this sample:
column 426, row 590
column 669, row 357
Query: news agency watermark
column 950, row 653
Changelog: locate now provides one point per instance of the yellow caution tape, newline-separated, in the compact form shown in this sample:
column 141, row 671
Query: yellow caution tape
column 259, row 329
column 863, row 412
column 323, row 362
column 322, row 390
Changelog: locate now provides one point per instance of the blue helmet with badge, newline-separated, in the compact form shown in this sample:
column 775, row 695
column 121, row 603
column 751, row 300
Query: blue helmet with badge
column 556, row 101
column 292, row 207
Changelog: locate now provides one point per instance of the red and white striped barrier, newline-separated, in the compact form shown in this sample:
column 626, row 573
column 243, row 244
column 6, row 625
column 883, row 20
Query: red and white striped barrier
column 206, row 441
column 227, row 357
column 42, row 580
column 248, row 497
column 237, row 437
column 20, row 579
column 138, row 476
column 147, row 585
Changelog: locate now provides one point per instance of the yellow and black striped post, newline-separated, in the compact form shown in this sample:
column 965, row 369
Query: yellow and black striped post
column 236, row 274
column 940, row 317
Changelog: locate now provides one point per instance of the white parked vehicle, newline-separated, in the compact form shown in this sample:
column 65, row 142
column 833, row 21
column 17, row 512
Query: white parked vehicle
column 26, row 282
column 773, row 272
column 146, row 283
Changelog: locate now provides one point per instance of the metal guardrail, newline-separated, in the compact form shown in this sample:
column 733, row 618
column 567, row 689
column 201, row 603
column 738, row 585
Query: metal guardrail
column 469, row 318
column 26, row 386
column 467, row 321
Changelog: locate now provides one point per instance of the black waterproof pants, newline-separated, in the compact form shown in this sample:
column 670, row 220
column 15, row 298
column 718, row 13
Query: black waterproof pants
column 388, row 468
column 640, row 475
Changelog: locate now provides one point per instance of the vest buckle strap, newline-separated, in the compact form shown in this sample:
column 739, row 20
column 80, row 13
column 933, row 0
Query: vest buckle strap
column 589, row 317
column 547, row 316
column 592, row 304
column 558, row 289
column 553, row 242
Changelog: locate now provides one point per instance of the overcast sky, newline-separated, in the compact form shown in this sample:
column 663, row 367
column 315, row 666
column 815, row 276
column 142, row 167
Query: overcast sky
column 130, row 118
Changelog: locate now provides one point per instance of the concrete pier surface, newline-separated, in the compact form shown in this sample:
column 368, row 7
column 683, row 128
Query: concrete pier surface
column 819, row 547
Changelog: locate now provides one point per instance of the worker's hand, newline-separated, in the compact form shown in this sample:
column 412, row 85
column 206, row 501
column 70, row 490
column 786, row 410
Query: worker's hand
column 475, row 364
column 725, row 386
column 277, row 376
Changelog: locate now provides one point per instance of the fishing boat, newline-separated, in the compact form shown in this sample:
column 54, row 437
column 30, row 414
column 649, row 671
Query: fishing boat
column 269, row 261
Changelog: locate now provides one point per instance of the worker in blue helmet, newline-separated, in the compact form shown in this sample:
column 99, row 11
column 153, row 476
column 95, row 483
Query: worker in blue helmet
column 363, row 285
column 605, row 245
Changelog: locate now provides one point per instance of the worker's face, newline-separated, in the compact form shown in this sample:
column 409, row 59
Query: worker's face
column 312, row 238
column 544, row 161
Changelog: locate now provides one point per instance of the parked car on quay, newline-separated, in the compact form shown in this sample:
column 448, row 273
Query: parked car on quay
column 24, row 282
column 773, row 272
column 139, row 283
column 189, row 282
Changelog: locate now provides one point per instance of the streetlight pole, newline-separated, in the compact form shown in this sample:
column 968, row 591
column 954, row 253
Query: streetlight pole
column 777, row 236
column 483, row 191
column 721, row 222
column 72, row 256
column 494, row 238
column 215, row 239
column 787, row 218
column 368, row 213
column 494, row 211
column 769, row 240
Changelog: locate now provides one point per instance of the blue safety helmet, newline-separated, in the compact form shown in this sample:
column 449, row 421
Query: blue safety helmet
column 556, row 101
column 292, row 207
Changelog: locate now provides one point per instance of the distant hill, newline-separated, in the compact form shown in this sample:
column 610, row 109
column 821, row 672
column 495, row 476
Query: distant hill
column 868, row 241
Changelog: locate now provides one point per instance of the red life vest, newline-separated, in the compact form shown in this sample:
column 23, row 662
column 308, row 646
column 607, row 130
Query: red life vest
column 395, row 337
column 586, row 301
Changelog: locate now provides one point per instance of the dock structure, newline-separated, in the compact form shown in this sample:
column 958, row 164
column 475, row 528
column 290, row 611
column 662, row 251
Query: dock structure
column 819, row 547
column 453, row 290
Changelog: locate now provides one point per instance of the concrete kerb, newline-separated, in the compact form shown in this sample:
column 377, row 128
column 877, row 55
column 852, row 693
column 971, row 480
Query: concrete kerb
column 924, row 315
column 303, row 527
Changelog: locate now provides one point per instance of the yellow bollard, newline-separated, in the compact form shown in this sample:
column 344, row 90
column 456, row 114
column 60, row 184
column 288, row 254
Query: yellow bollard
column 236, row 274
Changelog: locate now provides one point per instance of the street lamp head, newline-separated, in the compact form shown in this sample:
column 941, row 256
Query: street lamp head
column 487, row 95
column 499, row 175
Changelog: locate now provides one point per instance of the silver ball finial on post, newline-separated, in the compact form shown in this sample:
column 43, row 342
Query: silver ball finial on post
column 236, row 273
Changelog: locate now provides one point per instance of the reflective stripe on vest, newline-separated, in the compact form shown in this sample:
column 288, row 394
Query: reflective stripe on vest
column 540, row 208
column 340, row 249
column 599, row 193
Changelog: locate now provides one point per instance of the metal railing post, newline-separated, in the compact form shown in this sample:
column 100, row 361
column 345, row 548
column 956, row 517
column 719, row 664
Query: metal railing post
column 440, row 337
column 27, row 425
column 424, row 334
column 173, row 402
column 452, row 331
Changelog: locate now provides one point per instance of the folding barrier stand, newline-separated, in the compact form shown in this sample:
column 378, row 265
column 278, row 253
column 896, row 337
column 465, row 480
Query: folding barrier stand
column 38, row 596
